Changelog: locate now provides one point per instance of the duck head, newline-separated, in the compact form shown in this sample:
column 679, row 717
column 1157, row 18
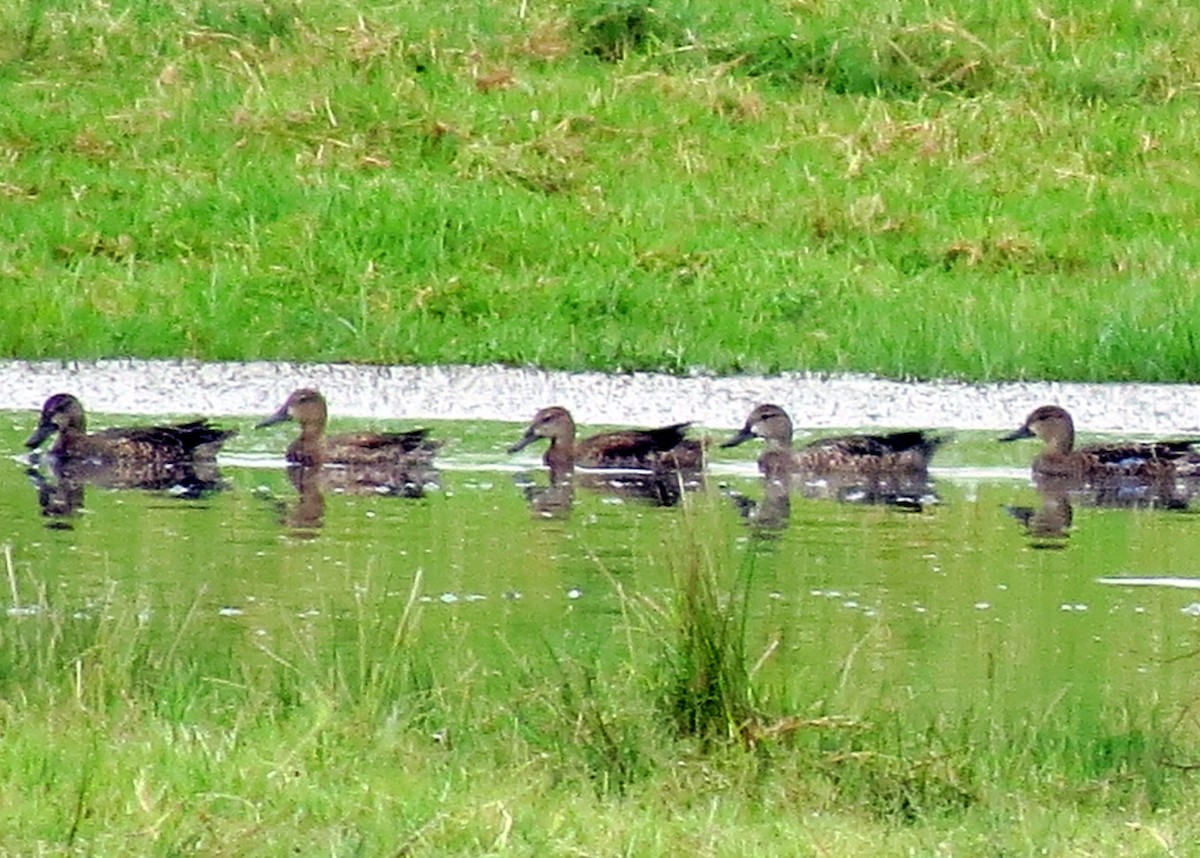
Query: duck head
column 554, row 423
column 1050, row 423
column 62, row 412
column 306, row 406
column 769, row 422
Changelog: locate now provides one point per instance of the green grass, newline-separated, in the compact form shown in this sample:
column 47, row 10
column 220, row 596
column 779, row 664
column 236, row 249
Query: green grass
column 976, row 191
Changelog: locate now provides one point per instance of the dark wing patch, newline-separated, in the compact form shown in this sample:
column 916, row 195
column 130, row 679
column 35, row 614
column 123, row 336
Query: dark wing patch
column 666, row 437
column 405, row 442
column 632, row 448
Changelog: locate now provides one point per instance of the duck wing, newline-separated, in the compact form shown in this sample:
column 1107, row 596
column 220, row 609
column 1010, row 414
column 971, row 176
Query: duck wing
column 404, row 442
column 365, row 448
column 199, row 436
column 917, row 441
column 667, row 437
column 630, row 447
column 181, row 440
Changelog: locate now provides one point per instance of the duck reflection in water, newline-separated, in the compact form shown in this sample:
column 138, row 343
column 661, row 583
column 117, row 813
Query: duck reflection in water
column 552, row 500
column 769, row 516
column 650, row 465
column 61, row 483
column 1049, row 524
column 556, row 498
column 306, row 514
column 911, row 493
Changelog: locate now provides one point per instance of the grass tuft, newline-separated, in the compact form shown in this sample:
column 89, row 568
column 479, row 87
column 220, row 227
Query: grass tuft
column 706, row 684
column 615, row 30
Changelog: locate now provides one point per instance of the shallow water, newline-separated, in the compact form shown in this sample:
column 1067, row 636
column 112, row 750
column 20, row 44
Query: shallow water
column 948, row 601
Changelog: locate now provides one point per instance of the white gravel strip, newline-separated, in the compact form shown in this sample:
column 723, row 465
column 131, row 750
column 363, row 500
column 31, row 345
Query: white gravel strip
column 504, row 393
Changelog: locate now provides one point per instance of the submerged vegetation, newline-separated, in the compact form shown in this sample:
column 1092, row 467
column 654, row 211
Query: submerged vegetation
column 975, row 191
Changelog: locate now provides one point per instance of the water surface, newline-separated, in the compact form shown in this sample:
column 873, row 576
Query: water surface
column 948, row 602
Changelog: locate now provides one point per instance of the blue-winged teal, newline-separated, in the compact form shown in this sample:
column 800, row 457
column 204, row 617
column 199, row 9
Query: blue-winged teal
column 182, row 442
column 1060, row 458
column 664, row 448
column 894, row 453
column 375, row 449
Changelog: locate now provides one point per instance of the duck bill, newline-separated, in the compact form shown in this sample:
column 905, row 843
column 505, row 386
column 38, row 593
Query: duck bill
column 39, row 436
column 278, row 417
column 528, row 438
column 740, row 438
column 1023, row 432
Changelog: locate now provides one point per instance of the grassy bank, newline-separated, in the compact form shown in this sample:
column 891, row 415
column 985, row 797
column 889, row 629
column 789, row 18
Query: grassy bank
column 974, row 191
column 376, row 726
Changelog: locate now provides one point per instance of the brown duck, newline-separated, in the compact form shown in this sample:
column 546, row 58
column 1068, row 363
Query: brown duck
column 664, row 448
column 375, row 449
column 893, row 453
column 150, row 445
column 1060, row 458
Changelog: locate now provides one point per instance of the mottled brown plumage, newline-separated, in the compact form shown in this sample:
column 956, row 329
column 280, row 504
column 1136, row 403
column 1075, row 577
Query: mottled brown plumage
column 1060, row 458
column 63, row 413
column 664, row 448
column 896, row 452
column 376, row 449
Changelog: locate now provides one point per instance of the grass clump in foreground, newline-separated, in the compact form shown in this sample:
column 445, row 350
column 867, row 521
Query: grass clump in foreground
column 149, row 729
column 971, row 191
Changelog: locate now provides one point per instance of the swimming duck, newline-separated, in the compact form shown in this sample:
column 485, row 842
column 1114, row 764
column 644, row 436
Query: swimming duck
column 664, row 448
column 183, row 442
column 377, row 449
column 896, row 452
column 1059, row 458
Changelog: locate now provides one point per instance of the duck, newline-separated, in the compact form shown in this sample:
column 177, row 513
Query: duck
column 664, row 448
column 313, row 447
column 1060, row 458
column 179, row 443
column 905, row 452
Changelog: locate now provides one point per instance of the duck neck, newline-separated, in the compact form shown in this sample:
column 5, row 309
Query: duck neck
column 72, row 440
column 1060, row 443
column 309, row 448
column 560, row 455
